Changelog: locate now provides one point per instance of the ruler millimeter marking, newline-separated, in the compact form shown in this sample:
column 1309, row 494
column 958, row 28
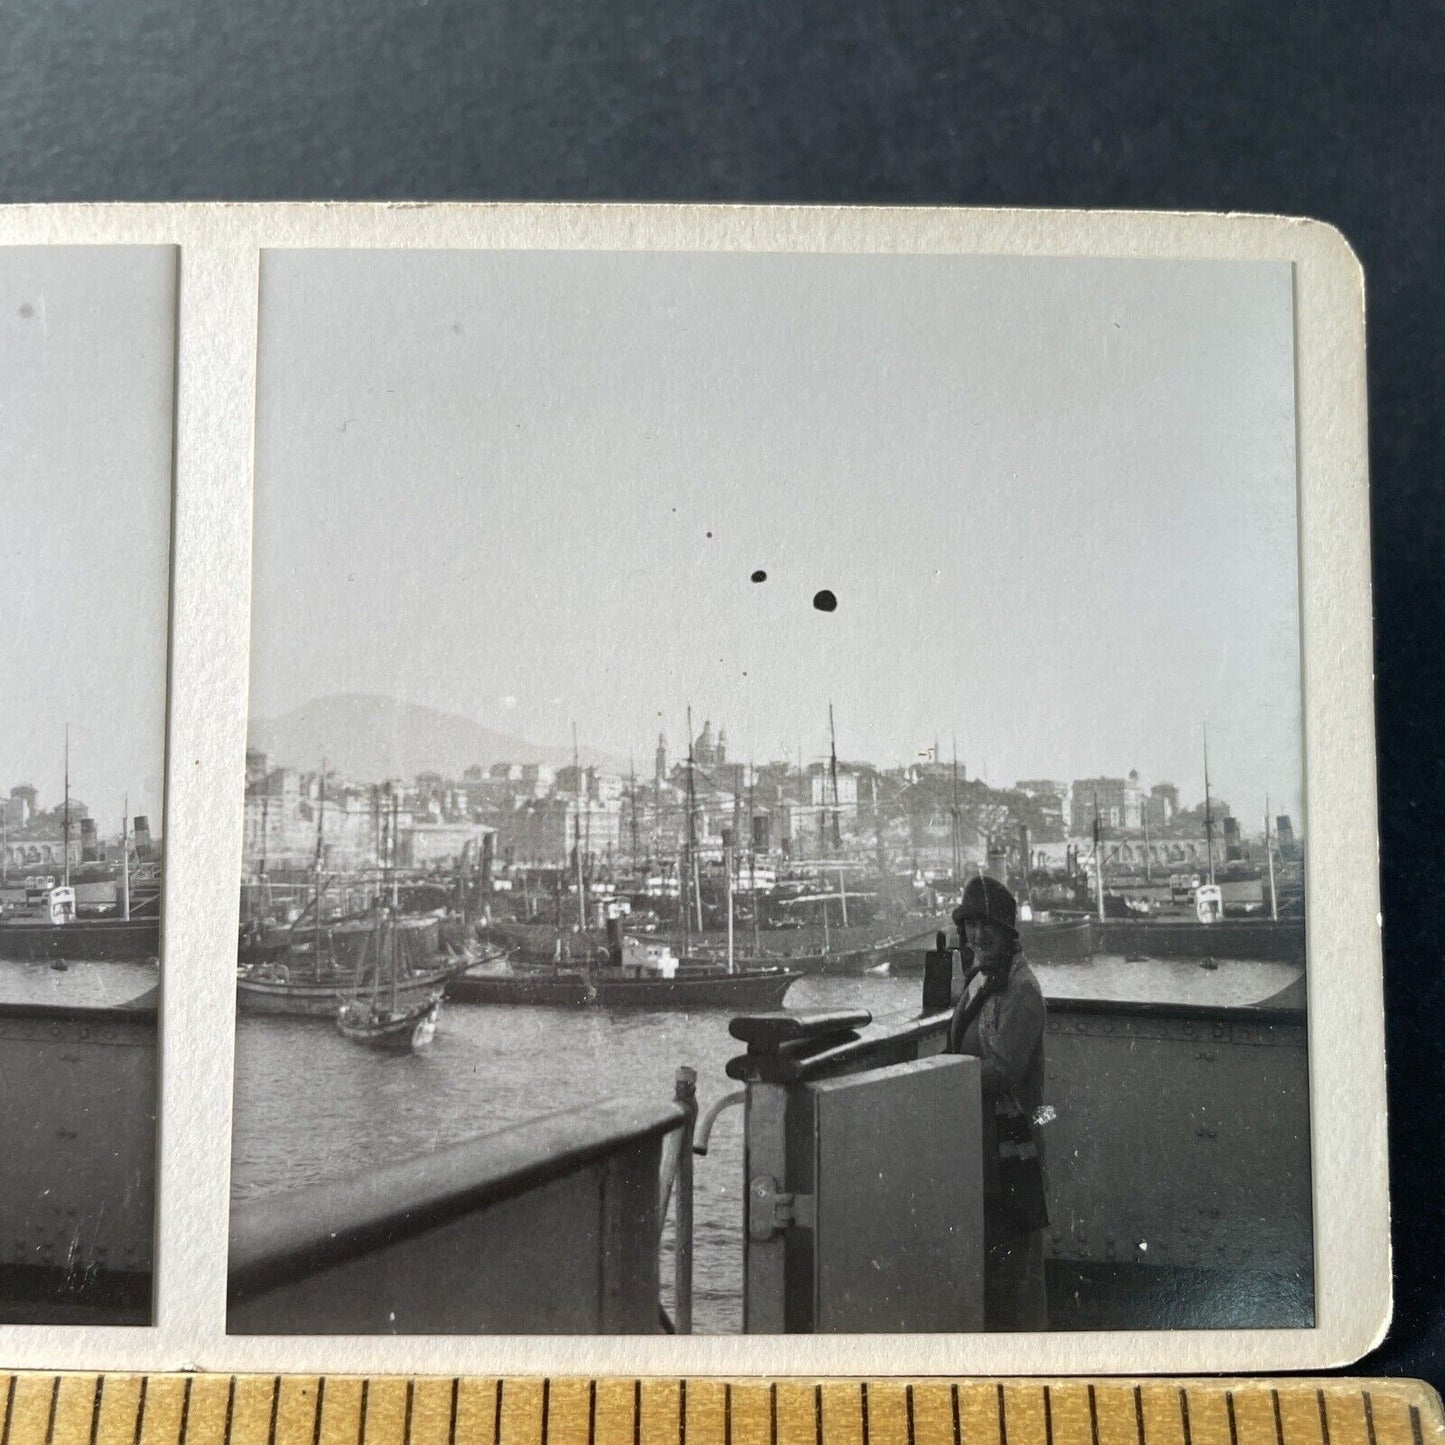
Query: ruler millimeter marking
column 73, row 1409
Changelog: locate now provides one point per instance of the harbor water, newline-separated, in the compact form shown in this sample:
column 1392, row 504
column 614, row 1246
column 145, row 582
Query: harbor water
column 75, row 982
column 311, row 1107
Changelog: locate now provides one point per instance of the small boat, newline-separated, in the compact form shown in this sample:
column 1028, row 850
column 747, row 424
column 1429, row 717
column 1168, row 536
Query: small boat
column 380, row 1014
column 394, row 1031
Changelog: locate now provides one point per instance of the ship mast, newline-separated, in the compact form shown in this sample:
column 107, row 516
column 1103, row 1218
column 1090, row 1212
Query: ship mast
column 125, row 858
column 693, row 875
column 632, row 799
column 391, row 851
column 265, row 828
column 957, row 831
column 753, row 852
column 728, row 856
column 67, row 806
column 320, row 845
column 577, row 833
column 1208, row 809
column 1098, row 856
column 683, row 906
column 837, row 814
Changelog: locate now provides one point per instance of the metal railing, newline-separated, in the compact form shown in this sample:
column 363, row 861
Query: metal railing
column 551, row 1226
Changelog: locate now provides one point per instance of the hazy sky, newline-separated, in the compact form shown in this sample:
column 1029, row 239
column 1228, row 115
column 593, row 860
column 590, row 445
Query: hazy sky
column 1055, row 500
column 86, row 399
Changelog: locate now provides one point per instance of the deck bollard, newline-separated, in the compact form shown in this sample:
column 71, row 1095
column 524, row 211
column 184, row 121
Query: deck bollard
column 685, row 1093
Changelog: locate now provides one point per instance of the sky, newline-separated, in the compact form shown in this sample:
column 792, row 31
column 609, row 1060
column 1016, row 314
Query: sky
column 86, row 403
column 1055, row 500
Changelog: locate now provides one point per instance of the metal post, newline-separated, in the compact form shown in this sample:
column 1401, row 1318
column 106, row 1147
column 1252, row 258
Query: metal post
column 685, row 1093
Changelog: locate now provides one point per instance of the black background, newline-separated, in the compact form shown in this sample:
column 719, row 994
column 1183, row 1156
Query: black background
column 1330, row 109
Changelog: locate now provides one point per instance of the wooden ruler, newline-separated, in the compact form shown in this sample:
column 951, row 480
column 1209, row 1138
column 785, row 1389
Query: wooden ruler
column 76, row 1409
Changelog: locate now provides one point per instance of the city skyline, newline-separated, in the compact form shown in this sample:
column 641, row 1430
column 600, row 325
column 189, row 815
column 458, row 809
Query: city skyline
column 1054, row 499
column 642, row 760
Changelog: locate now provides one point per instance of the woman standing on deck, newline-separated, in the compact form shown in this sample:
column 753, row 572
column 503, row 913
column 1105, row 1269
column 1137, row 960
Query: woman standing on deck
column 1000, row 1020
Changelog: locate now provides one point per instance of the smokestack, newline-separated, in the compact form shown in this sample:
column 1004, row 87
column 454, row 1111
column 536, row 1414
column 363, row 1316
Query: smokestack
column 89, row 842
column 144, row 849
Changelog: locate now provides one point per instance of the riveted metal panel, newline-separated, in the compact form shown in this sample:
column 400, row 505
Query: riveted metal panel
column 77, row 1137
column 1179, row 1142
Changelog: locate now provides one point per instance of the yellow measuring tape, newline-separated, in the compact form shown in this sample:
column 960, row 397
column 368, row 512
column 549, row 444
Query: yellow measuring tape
column 76, row 1409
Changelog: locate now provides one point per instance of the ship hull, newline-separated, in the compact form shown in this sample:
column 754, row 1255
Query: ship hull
column 319, row 1000
column 1254, row 940
column 574, row 988
column 110, row 938
column 408, row 1033
column 1262, row 940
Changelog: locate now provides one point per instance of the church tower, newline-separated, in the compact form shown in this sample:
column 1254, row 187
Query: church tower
column 722, row 746
column 704, row 749
column 659, row 762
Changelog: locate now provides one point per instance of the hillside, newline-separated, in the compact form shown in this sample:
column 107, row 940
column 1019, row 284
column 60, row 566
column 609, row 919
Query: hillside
column 369, row 738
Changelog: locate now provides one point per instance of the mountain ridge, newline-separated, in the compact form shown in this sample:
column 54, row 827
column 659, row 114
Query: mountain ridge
column 369, row 737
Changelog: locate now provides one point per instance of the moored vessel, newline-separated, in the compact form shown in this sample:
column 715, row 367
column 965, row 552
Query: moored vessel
column 637, row 974
column 390, row 1030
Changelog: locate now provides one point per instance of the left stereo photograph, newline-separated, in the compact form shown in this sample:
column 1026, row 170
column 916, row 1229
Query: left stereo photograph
column 87, row 400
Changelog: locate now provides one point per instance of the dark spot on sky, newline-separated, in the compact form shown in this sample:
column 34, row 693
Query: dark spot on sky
column 824, row 601
column 760, row 575
column 709, row 534
column 27, row 311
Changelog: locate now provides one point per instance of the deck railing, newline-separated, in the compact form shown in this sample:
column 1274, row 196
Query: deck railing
column 552, row 1226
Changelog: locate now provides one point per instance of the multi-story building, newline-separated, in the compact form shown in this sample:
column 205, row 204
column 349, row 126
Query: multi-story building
column 431, row 844
column 1162, row 805
column 1118, row 803
column 20, row 806
column 1051, row 800
column 544, row 832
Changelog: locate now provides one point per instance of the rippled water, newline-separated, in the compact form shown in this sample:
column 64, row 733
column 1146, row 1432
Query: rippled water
column 311, row 1107
column 81, row 983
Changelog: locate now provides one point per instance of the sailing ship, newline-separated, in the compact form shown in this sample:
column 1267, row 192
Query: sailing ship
column 307, row 980
column 381, row 1014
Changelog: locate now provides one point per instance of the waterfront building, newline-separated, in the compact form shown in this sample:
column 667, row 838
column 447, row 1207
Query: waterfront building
column 432, row 844
column 41, row 843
